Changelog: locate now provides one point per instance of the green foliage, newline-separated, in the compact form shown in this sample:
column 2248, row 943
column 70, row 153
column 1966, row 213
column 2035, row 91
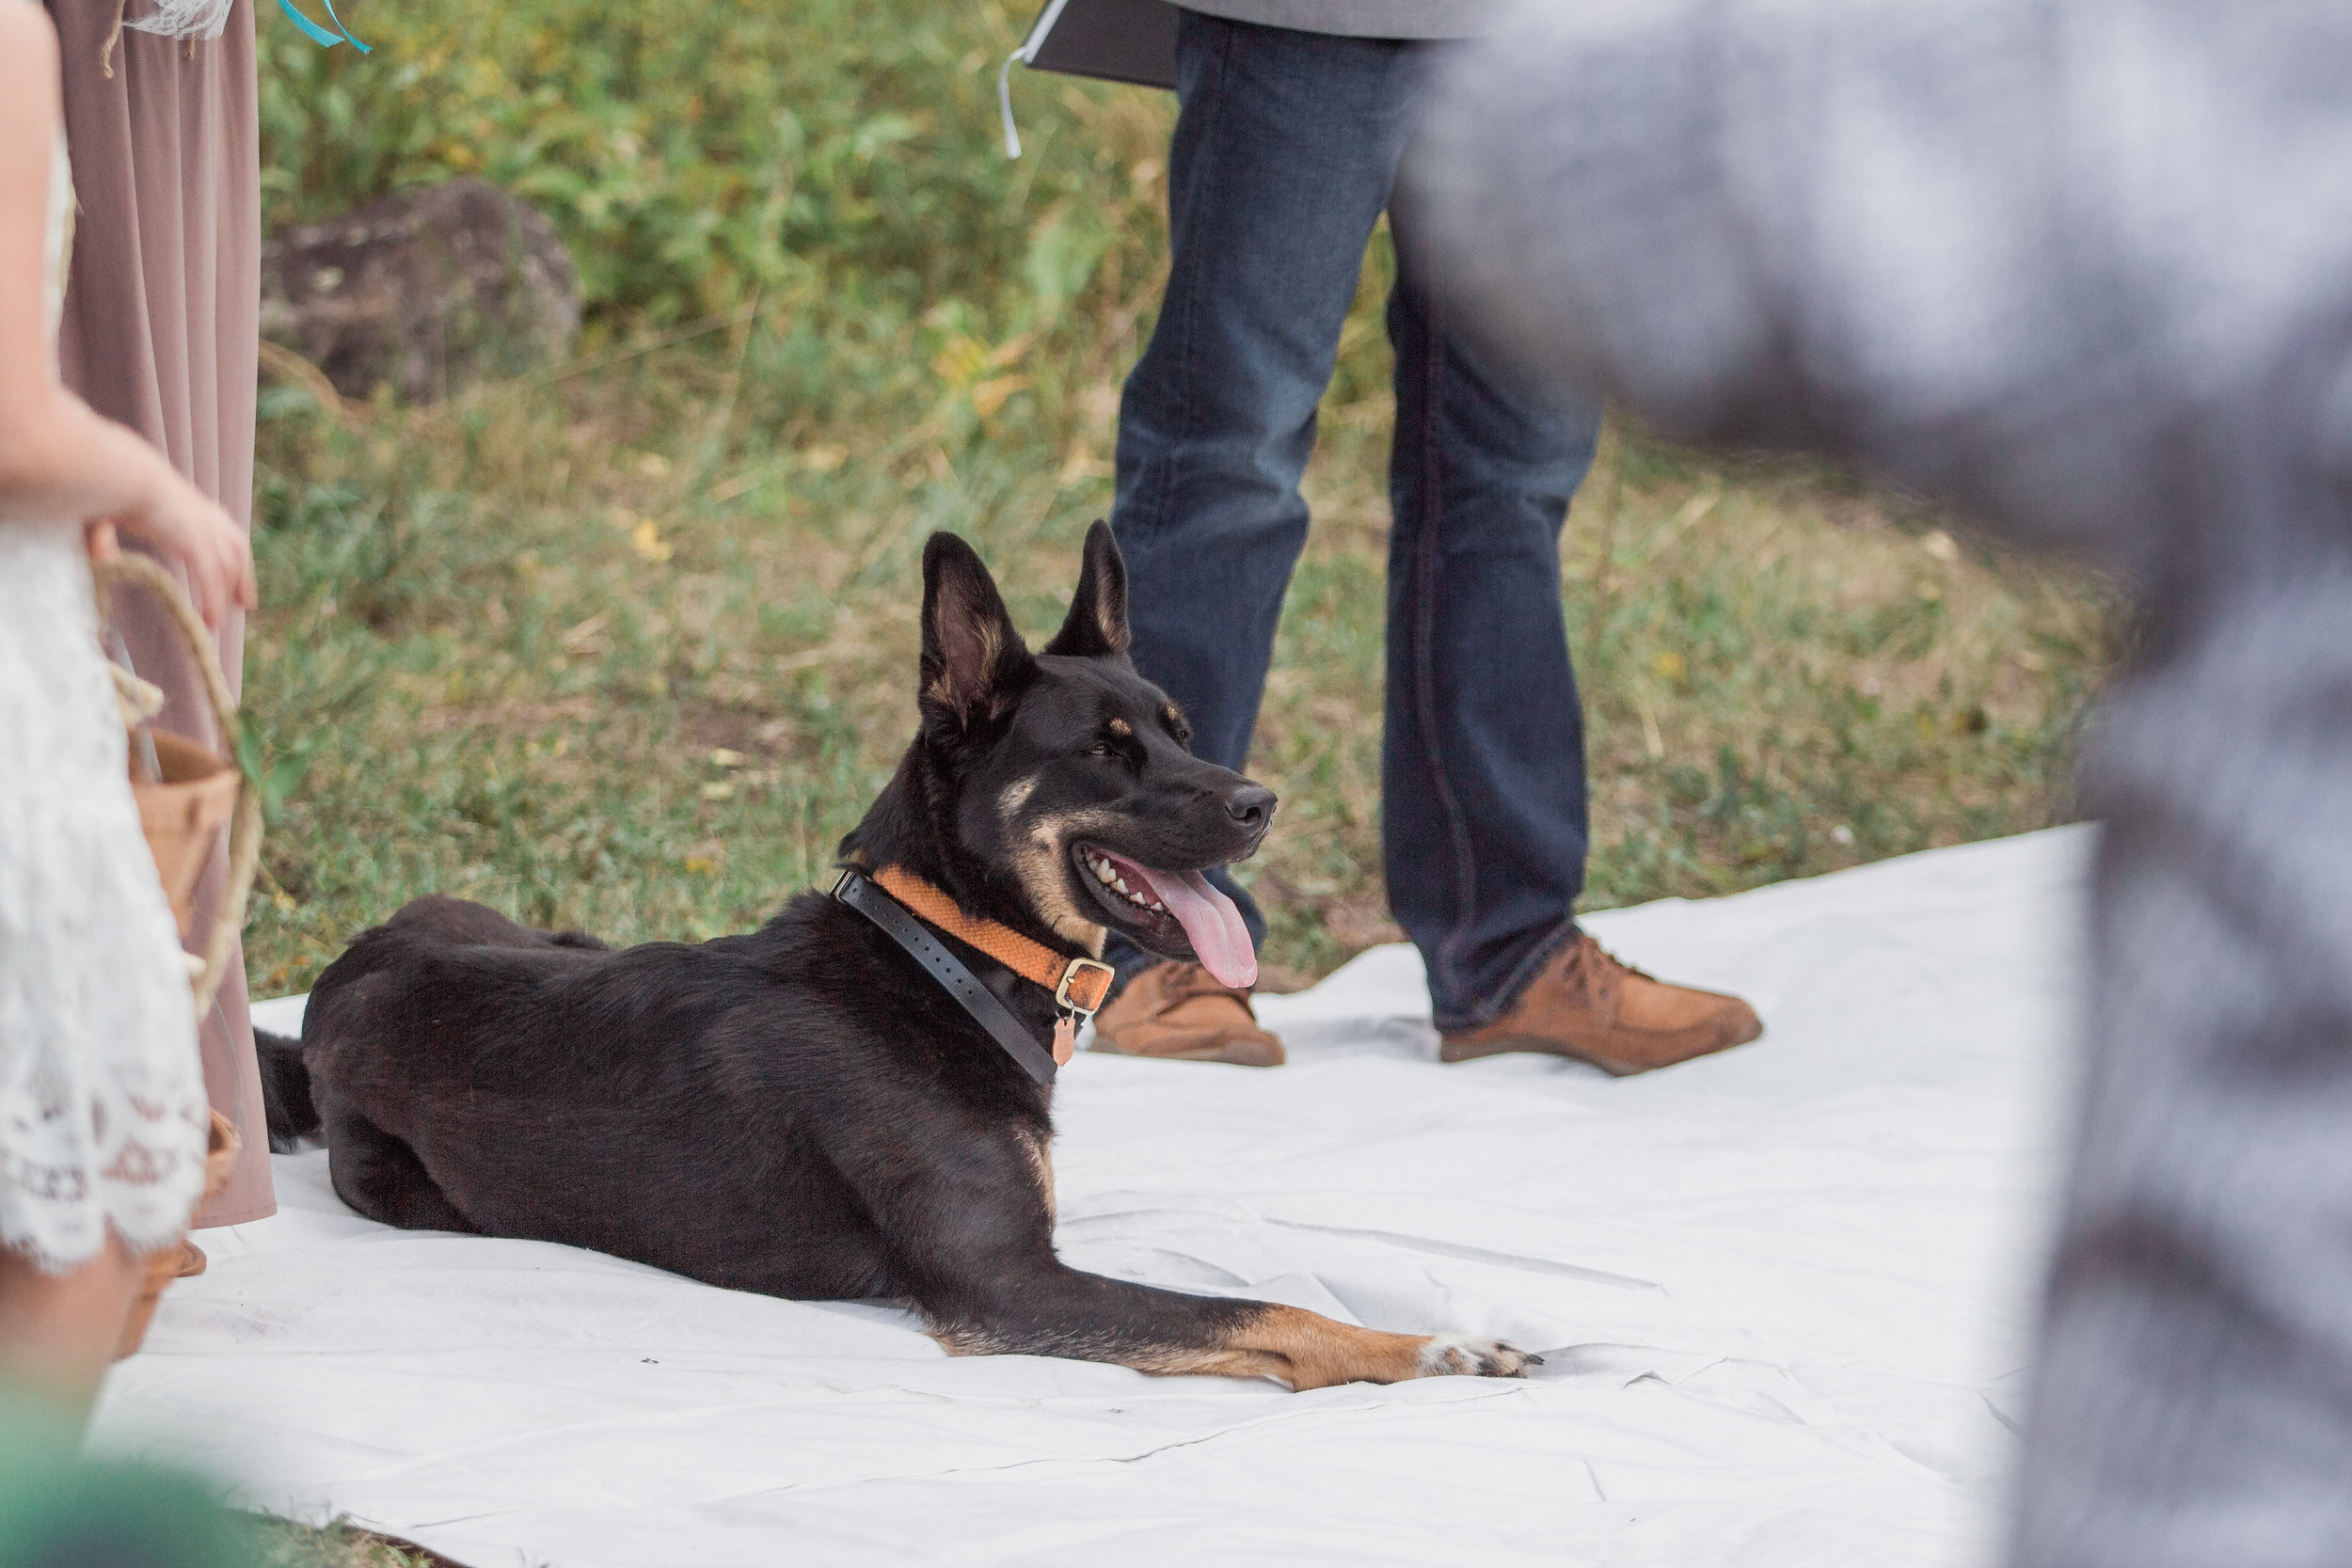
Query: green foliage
column 696, row 152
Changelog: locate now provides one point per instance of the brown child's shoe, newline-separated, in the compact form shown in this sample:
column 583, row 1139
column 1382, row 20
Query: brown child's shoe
column 1179, row 1012
column 1588, row 1005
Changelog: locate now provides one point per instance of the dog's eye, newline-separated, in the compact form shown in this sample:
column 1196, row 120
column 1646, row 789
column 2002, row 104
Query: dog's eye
column 1102, row 748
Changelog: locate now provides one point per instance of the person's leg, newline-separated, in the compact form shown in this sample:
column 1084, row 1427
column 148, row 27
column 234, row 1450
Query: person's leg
column 1284, row 151
column 58, row 1333
column 2193, row 1395
column 1483, row 816
column 1482, row 820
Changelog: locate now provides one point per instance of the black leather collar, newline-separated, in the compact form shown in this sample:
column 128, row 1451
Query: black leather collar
column 861, row 893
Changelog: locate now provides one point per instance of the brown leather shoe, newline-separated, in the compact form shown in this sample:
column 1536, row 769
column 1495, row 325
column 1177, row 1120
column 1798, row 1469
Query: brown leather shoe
column 1588, row 1005
column 1179, row 1011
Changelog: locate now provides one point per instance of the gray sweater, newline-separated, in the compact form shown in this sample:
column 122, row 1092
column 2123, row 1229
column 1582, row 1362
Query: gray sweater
column 1364, row 18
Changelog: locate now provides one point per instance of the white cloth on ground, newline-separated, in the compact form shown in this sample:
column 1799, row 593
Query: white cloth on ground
column 1782, row 1293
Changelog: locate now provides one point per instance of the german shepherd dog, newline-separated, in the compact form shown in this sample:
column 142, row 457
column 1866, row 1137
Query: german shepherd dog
column 803, row 1111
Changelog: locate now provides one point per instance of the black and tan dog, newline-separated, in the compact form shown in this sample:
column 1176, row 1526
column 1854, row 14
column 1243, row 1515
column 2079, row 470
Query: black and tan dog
column 805, row 1111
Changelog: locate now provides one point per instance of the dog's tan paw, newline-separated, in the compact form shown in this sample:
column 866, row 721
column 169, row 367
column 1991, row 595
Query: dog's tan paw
column 1459, row 1356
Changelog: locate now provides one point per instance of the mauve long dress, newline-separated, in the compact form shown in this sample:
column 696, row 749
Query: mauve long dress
column 162, row 311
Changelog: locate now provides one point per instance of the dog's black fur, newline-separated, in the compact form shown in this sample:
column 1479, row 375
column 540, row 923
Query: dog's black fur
column 801, row 1111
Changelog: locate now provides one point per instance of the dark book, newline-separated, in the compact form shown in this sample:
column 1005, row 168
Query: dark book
column 1114, row 41
column 1117, row 40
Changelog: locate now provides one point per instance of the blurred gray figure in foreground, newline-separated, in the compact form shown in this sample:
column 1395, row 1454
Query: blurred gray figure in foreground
column 2087, row 268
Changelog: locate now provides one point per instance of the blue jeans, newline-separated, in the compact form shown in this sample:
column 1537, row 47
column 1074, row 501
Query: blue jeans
column 1285, row 154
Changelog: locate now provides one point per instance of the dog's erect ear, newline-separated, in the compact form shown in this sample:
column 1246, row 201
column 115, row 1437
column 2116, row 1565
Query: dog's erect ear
column 972, row 653
column 1097, row 625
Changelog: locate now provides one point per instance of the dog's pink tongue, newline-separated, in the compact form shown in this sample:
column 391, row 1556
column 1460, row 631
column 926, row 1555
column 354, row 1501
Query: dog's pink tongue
column 1213, row 924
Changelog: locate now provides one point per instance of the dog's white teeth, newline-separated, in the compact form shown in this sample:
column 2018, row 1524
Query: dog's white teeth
column 1110, row 877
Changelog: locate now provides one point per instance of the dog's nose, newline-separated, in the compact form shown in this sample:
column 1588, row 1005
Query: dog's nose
column 1252, row 805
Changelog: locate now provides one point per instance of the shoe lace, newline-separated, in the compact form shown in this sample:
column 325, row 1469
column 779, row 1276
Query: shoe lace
column 1600, row 973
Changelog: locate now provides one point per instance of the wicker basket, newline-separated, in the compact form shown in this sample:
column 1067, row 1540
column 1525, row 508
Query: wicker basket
column 182, row 813
column 179, row 1261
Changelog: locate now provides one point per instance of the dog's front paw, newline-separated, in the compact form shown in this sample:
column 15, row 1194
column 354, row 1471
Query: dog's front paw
column 1459, row 1356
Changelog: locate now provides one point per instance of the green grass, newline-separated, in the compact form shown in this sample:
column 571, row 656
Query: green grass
column 598, row 655
column 631, row 643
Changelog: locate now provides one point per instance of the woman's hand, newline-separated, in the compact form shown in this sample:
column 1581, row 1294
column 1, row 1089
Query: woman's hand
column 184, row 524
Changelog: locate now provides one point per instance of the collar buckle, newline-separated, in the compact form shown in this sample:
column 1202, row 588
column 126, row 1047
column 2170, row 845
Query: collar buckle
column 1084, row 985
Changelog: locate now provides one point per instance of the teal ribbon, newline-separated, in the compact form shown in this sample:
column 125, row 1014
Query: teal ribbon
column 319, row 34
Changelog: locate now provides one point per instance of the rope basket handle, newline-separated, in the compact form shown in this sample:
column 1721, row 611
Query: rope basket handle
column 129, row 569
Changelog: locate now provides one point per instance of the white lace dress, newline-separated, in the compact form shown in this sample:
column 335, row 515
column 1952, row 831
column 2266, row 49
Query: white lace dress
column 103, row 1116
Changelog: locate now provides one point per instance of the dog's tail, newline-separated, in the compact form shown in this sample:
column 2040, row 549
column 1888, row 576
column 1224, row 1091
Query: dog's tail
column 285, row 1091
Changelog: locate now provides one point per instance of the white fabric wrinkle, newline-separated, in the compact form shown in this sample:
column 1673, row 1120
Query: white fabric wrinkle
column 1780, row 1292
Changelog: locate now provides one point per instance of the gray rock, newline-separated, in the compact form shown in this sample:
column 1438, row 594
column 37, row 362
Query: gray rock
column 428, row 291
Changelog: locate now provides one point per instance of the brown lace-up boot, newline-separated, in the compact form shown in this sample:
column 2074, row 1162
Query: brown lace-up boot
column 1179, row 1012
column 1588, row 1005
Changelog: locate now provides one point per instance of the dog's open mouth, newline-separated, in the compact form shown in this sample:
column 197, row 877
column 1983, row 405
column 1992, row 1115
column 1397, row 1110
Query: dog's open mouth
column 1146, row 902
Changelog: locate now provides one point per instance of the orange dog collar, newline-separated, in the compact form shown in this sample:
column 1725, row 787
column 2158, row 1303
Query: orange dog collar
column 1079, row 985
column 903, row 904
